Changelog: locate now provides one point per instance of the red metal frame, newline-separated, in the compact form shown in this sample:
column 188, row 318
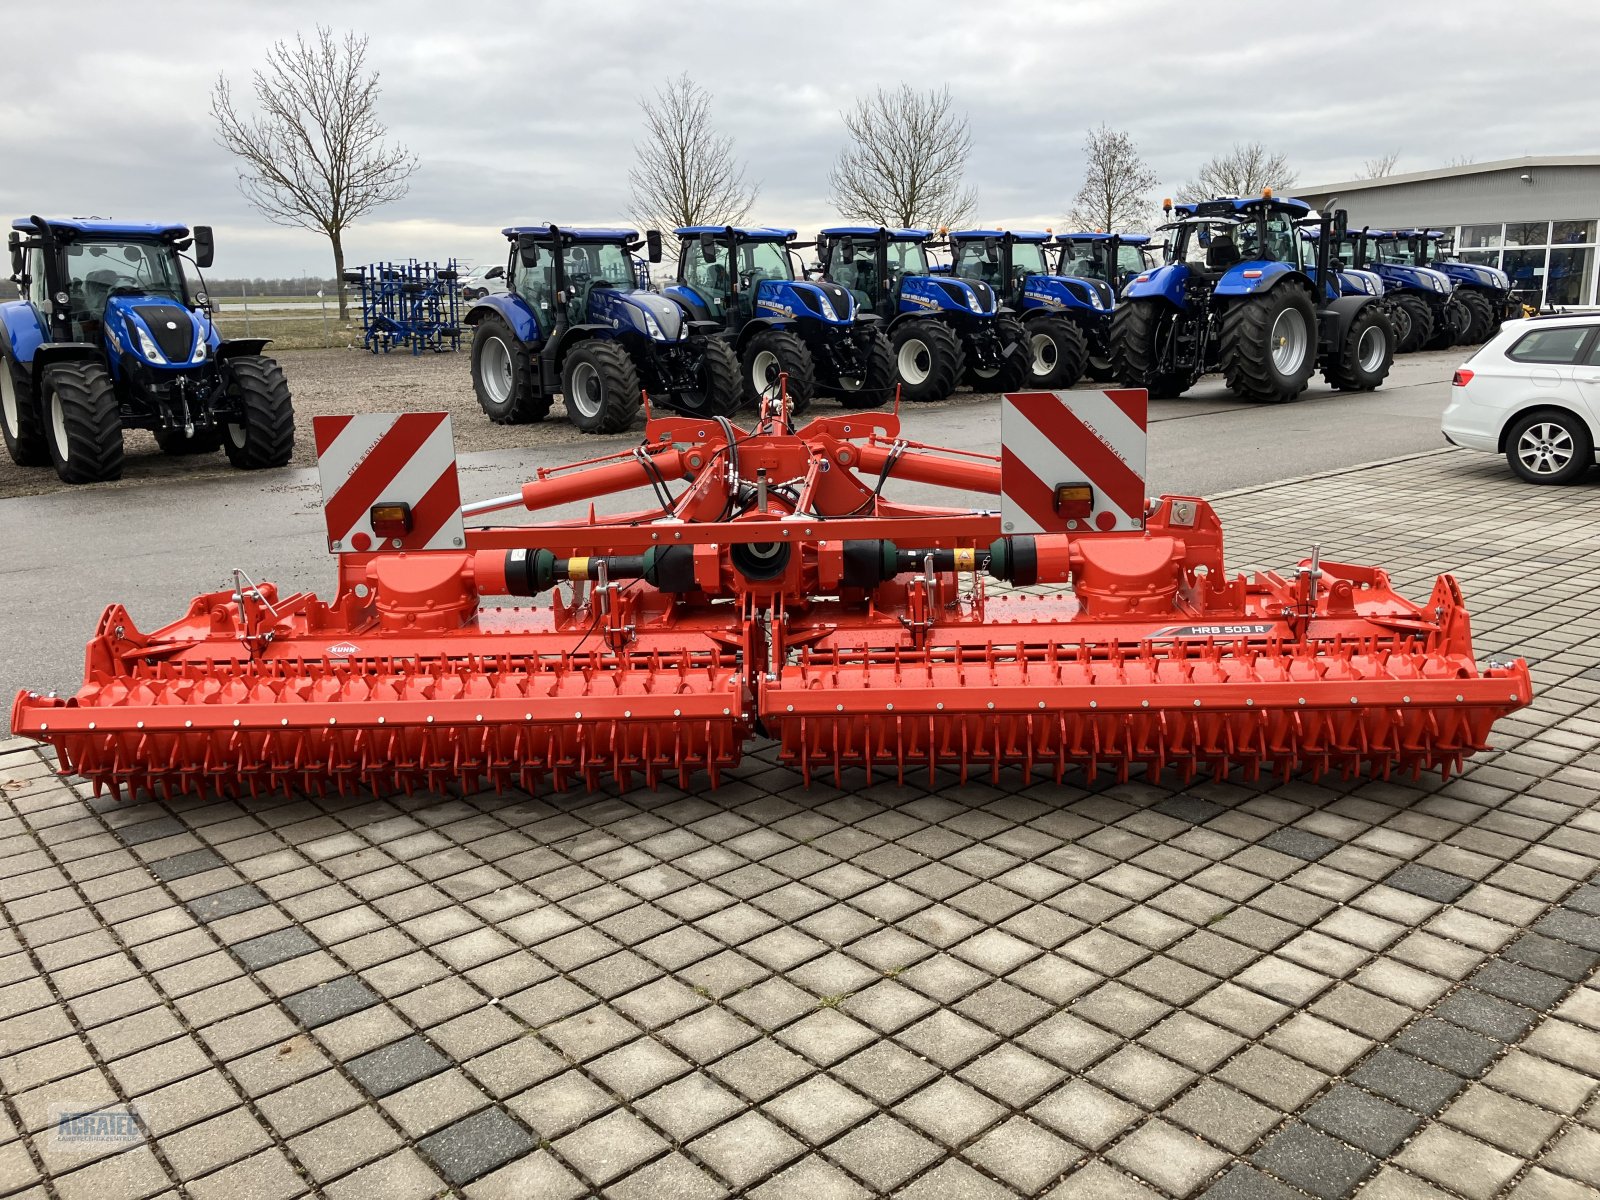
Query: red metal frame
column 1133, row 648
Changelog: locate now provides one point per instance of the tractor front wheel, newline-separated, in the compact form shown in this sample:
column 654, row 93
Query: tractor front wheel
column 20, row 418
column 718, row 393
column 601, row 387
column 1269, row 344
column 1138, row 328
column 875, row 385
column 1480, row 325
column 175, row 442
column 1014, row 367
column 504, row 376
column 261, row 433
column 83, row 422
column 768, row 357
column 1058, row 352
column 1421, row 317
column 1363, row 361
column 927, row 358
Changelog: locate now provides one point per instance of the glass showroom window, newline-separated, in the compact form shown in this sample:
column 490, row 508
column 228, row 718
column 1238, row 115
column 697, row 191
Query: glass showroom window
column 1550, row 262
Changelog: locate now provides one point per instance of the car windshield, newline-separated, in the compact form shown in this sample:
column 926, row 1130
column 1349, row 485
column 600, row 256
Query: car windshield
column 97, row 270
column 594, row 262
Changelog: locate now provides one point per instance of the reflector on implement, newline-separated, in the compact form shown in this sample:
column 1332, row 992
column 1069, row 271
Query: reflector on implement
column 772, row 588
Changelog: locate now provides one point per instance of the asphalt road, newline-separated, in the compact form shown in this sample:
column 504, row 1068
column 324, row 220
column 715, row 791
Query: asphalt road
column 67, row 554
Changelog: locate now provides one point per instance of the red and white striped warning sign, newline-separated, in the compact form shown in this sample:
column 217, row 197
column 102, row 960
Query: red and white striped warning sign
column 389, row 459
column 1054, row 440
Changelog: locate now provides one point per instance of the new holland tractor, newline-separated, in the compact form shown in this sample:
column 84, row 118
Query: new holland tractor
column 109, row 336
column 944, row 330
column 1238, row 296
column 1112, row 258
column 1361, row 281
column 574, row 321
column 1435, row 318
column 1484, row 292
column 1057, row 314
column 742, row 280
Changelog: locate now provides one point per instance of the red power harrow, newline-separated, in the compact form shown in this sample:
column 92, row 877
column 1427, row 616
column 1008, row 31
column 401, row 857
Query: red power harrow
column 772, row 589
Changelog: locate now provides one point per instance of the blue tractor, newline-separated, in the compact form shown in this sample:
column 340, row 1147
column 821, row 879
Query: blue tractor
column 1113, row 259
column 575, row 321
column 742, row 280
column 944, row 330
column 1435, row 319
column 1238, row 296
column 1058, row 315
column 109, row 336
column 1361, row 281
column 1484, row 292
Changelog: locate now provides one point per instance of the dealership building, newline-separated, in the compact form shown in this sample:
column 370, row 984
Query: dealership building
column 1535, row 218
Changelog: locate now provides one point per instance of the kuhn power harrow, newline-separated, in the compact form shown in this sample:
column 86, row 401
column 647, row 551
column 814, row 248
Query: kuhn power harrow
column 770, row 587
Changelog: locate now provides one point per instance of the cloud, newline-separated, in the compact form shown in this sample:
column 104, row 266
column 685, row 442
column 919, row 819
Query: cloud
column 528, row 111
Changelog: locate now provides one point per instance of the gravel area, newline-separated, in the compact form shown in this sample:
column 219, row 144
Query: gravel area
column 353, row 381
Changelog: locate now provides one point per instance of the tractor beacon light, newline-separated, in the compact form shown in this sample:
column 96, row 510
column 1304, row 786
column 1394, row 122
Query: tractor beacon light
column 770, row 588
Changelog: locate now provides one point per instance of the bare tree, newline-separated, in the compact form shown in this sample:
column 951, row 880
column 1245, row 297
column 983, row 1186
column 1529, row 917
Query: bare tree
column 906, row 160
column 685, row 171
column 314, row 156
column 1462, row 160
column 1115, row 195
column 1242, row 171
column 1380, row 167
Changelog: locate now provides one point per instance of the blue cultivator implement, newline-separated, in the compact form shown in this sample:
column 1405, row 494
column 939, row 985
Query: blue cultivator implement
column 416, row 304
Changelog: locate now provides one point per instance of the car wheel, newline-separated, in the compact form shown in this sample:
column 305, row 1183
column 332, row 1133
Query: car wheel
column 1549, row 446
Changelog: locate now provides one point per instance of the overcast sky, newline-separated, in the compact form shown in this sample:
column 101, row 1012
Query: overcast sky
column 527, row 111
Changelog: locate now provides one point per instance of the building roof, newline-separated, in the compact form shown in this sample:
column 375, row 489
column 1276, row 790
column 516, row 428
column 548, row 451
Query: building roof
column 1526, row 162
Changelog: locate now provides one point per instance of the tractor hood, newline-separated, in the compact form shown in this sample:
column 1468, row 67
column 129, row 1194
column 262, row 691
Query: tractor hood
column 946, row 293
column 657, row 317
column 1476, row 275
column 1068, row 291
column 157, row 330
column 797, row 299
column 1422, row 279
column 1353, row 282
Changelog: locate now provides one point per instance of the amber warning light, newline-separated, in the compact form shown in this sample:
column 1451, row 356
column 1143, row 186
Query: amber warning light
column 1075, row 500
column 391, row 520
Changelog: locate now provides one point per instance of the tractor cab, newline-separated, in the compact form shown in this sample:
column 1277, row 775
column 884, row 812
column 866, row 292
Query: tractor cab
column 889, row 273
column 733, row 275
column 1239, row 239
column 1112, row 258
column 1435, row 249
column 1016, row 265
column 570, row 277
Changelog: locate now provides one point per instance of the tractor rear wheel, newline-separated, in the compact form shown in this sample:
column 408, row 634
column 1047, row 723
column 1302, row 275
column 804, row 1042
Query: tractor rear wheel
column 20, row 418
column 718, row 393
column 927, row 359
column 504, row 375
column 1058, row 352
column 262, row 434
column 1421, row 331
column 873, row 388
column 768, row 356
column 1481, row 327
column 1269, row 344
column 83, row 422
column 175, row 442
column 1014, row 367
column 1400, row 318
column 1137, row 328
column 1363, row 361
column 601, row 387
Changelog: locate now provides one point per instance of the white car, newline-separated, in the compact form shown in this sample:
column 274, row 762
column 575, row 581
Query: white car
column 1532, row 393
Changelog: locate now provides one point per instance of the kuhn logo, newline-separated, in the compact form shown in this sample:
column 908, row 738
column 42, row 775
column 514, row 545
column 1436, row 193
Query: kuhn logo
column 343, row 650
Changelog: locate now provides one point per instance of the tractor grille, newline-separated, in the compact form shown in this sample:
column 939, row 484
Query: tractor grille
column 171, row 327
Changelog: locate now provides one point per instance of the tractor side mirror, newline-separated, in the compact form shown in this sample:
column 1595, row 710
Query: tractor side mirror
column 652, row 245
column 527, row 251
column 495, row 273
column 205, row 249
column 847, row 248
column 991, row 250
column 708, row 250
column 1341, row 224
column 16, row 254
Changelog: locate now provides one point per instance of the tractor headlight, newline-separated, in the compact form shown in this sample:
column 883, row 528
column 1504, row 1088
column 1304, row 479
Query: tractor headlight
column 200, row 351
column 827, row 308
column 1094, row 298
column 1438, row 284
column 147, row 346
column 653, row 327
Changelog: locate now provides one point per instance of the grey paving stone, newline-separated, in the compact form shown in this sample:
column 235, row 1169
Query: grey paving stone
column 1551, row 956
column 560, row 1105
column 1459, row 1162
column 1512, row 981
column 181, row 866
column 1449, row 1046
column 1314, row 1162
column 397, row 1066
column 1363, row 1120
column 1189, row 809
column 330, row 1001
column 1012, row 1075
column 747, row 1148
column 1246, row 1183
column 1419, row 1086
column 1301, row 843
column 227, row 903
column 950, row 1180
column 761, row 1070
column 1483, row 1013
column 1168, row 1157
column 272, row 948
column 1430, row 883
column 611, row 1146
column 884, row 1152
column 150, row 831
column 812, row 1178
column 949, row 1111
column 1230, row 1119
column 476, row 1145
column 1023, row 1154
column 818, row 1108
column 1579, row 928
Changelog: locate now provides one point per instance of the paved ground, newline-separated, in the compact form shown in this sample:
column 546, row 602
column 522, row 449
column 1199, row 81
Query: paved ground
column 1021, row 989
